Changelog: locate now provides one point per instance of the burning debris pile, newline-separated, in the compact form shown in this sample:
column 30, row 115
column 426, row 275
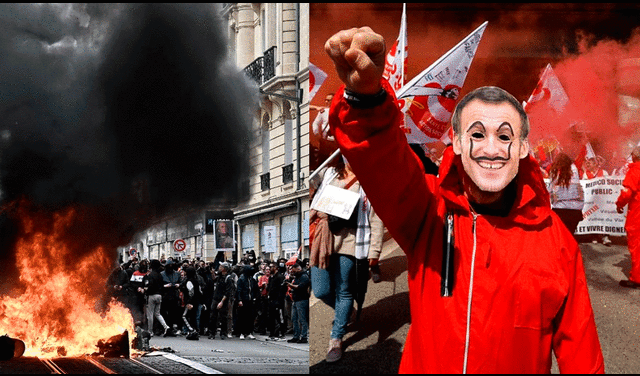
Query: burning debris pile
column 111, row 114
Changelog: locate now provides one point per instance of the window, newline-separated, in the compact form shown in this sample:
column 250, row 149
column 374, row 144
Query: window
column 289, row 233
column 248, row 237
column 305, row 228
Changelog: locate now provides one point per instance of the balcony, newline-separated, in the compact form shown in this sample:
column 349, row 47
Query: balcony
column 265, row 182
column 287, row 174
column 263, row 68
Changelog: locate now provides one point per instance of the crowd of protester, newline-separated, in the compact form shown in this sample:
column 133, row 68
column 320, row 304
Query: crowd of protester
column 218, row 299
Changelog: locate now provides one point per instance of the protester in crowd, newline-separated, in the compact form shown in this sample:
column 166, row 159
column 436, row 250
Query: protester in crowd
column 207, row 297
column 320, row 125
column 515, row 290
column 288, row 298
column 342, row 251
column 246, row 295
column 170, row 308
column 234, row 274
column 220, row 304
column 115, row 285
column 300, row 291
column 592, row 168
column 630, row 195
column 152, row 283
column 276, row 293
column 190, row 288
column 565, row 191
column 262, row 309
column 136, row 290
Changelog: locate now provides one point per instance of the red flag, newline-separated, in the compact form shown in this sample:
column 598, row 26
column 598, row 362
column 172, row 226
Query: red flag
column 316, row 79
column 548, row 93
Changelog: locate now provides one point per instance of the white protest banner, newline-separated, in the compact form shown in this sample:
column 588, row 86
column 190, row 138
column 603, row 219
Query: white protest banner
column 335, row 201
column 599, row 212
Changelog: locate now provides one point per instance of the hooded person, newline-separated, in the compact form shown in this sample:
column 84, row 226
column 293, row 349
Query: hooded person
column 496, row 281
column 246, row 295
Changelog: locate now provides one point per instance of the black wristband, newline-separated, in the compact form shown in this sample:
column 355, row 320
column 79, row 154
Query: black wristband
column 365, row 100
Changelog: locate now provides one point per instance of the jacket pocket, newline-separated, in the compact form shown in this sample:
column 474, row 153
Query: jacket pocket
column 539, row 297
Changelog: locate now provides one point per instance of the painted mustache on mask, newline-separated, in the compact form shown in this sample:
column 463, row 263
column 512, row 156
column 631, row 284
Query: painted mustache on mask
column 487, row 159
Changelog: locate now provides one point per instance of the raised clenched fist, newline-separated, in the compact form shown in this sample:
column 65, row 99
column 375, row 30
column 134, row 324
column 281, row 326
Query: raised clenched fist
column 359, row 56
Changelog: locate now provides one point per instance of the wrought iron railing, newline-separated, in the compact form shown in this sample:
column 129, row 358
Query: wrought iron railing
column 263, row 68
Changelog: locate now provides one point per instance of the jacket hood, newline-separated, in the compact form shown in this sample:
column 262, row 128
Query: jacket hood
column 532, row 204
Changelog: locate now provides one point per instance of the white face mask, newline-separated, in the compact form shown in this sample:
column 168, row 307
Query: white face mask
column 490, row 145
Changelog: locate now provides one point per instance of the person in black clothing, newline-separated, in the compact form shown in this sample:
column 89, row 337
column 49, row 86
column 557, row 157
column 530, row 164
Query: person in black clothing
column 246, row 295
column 135, row 291
column 170, row 308
column 300, row 287
column 190, row 288
column 219, row 306
column 207, row 297
column 276, row 291
column 115, row 284
column 152, row 288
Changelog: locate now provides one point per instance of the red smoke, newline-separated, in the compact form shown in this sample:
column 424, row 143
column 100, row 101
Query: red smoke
column 584, row 43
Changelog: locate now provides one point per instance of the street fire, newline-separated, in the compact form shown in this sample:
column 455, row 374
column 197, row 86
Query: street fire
column 55, row 306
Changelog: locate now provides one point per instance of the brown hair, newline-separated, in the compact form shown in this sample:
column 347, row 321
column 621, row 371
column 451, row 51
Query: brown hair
column 561, row 170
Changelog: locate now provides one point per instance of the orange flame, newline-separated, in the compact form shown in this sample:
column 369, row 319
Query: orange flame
column 55, row 311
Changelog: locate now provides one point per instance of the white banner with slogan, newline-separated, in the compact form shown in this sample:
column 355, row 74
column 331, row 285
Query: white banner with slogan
column 599, row 212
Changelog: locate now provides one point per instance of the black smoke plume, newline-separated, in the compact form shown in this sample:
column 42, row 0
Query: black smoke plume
column 130, row 110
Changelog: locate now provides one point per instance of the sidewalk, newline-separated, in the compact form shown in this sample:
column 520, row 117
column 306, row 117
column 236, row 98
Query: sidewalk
column 374, row 344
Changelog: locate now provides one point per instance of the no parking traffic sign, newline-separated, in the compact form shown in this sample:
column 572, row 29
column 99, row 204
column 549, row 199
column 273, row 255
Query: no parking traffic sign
column 179, row 245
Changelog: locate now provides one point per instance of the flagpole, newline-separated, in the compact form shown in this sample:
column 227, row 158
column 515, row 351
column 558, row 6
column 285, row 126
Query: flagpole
column 324, row 164
column 402, row 40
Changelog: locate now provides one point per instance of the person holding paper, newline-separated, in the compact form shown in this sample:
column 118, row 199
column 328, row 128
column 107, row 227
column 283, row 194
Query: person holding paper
column 342, row 248
column 496, row 281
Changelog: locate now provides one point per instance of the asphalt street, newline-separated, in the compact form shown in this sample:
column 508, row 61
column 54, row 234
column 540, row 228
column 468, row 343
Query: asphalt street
column 233, row 355
column 375, row 343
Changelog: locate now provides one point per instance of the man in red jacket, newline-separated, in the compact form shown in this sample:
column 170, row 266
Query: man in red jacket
column 496, row 281
column 630, row 195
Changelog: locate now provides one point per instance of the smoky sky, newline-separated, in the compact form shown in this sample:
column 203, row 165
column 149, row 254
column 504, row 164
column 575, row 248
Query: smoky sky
column 120, row 107
column 584, row 43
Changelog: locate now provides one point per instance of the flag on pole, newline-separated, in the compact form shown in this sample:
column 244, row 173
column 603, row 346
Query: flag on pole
column 430, row 98
column 316, row 79
column 549, row 92
column 396, row 60
column 585, row 153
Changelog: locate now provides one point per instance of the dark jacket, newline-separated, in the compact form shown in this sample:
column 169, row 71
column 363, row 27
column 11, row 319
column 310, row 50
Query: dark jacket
column 170, row 277
column 301, row 292
column 191, row 291
column 153, row 283
column 247, row 286
column 225, row 286
column 277, row 289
